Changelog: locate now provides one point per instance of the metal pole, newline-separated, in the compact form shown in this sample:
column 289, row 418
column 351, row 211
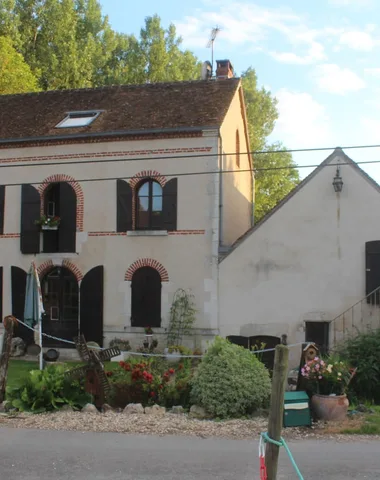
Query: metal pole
column 41, row 353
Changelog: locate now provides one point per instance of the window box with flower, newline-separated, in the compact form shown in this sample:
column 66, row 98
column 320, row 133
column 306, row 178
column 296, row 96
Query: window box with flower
column 328, row 380
column 48, row 223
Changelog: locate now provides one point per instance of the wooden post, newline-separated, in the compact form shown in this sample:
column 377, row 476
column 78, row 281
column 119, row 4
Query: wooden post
column 280, row 372
column 6, row 353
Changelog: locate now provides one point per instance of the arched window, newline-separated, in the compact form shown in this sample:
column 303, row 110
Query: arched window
column 146, row 298
column 237, row 151
column 149, row 206
column 60, row 294
column 60, row 201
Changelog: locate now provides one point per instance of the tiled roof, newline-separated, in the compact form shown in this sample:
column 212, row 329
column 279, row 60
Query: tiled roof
column 125, row 108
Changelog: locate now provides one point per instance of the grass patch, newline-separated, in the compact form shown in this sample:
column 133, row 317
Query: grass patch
column 358, row 424
column 19, row 369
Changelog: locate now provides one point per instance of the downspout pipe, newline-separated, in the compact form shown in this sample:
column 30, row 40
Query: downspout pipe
column 221, row 160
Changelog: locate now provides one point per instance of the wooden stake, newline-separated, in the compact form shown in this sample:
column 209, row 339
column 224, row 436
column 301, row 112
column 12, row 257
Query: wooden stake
column 280, row 372
column 5, row 354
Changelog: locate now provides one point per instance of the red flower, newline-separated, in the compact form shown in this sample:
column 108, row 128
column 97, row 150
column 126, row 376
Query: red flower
column 161, row 387
column 151, row 394
column 180, row 366
column 109, row 374
column 122, row 364
column 127, row 367
column 171, row 371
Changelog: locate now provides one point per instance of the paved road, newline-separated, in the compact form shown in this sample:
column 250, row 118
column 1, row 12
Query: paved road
column 51, row 455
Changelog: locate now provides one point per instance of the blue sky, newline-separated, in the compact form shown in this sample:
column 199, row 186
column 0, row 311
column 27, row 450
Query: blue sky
column 320, row 58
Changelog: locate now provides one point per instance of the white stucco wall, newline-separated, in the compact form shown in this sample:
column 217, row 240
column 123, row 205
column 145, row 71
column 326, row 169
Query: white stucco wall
column 305, row 262
column 189, row 255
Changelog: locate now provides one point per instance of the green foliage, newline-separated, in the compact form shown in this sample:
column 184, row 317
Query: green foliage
column 47, row 390
column 363, row 353
column 182, row 317
column 230, row 381
column 71, row 44
column 271, row 186
column 124, row 345
column 15, row 75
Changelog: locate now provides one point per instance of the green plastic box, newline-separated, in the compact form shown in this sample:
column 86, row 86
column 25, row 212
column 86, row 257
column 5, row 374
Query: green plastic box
column 297, row 410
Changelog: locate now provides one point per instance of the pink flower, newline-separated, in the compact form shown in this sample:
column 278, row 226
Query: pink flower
column 322, row 363
column 317, row 367
column 320, row 377
column 307, row 368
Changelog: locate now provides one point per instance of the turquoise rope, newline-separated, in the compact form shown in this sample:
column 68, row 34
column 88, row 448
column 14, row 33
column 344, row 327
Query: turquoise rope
column 282, row 443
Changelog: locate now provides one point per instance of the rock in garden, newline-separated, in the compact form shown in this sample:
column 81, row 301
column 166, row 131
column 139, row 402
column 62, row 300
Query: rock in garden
column 4, row 407
column 178, row 409
column 66, row 408
column 89, row 408
column 18, row 347
column 198, row 412
column 133, row 408
column 107, row 408
column 155, row 410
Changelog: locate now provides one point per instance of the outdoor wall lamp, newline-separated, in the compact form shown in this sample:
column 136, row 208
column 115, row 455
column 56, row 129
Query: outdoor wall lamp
column 338, row 182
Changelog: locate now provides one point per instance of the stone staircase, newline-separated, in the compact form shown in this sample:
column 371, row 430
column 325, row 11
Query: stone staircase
column 363, row 316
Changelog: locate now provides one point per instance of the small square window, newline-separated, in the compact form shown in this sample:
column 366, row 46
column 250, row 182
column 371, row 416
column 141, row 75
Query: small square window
column 78, row 119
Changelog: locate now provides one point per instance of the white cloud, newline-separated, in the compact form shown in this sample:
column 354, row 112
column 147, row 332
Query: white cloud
column 334, row 79
column 303, row 122
column 316, row 53
column 248, row 24
column 357, row 40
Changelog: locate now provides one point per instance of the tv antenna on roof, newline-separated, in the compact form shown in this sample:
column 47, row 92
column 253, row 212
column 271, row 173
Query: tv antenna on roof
column 210, row 43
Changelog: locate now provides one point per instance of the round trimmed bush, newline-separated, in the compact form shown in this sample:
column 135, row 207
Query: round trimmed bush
column 230, row 381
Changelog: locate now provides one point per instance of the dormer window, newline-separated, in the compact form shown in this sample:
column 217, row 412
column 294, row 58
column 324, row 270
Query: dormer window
column 78, row 119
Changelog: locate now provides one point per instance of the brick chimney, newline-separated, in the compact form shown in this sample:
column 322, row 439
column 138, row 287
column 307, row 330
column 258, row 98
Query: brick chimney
column 224, row 69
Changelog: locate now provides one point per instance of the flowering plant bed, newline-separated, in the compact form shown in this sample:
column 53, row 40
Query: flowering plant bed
column 149, row 381
column 148, row 331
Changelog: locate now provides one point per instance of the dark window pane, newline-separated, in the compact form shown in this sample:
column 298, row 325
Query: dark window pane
column 149, row 206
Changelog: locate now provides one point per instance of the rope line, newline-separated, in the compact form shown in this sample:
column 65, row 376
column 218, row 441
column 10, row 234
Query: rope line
column 172, row 355
column 282, row 443
column 197, row 173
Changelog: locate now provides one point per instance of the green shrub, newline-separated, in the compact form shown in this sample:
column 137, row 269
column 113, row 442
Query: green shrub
column 47, row 390
column 230, row 381
column 363, row 352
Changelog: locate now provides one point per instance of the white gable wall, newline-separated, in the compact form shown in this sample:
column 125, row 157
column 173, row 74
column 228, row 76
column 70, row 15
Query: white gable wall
column 305, row 262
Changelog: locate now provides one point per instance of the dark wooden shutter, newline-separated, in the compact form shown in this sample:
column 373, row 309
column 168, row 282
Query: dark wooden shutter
column 239, row 340
column 91, row 305
column 1, row 294
column 18, row 287
column 2, row 205
column 146, row 298
column 170, row 205
column 372, row 265
column 124, row 206
column 68, row 213
column 30, row 212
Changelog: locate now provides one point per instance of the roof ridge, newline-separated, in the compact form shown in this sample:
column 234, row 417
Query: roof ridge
column 120, row 86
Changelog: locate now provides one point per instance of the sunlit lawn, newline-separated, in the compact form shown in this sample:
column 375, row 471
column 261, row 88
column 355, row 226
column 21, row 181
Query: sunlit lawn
column 18, row 369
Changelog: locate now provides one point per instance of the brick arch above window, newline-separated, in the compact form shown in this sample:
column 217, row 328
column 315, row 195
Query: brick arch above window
column 49, row 265
column 145, row 174
column 147, row 262
column 77, row 189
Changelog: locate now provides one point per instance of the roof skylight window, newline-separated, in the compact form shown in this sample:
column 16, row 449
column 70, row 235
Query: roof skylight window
column 78, row 119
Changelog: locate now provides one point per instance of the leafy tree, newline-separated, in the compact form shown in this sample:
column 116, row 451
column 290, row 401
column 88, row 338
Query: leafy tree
column 15, row 74
column 271, row 185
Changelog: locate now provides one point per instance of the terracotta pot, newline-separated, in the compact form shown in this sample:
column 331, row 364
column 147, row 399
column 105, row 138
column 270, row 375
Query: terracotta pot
column 330, row 408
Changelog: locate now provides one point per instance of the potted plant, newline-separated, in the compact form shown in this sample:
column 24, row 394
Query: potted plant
column 48, row 223
column 328, row 381
column 148, row 331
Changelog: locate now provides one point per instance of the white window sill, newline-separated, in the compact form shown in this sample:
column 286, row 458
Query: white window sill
column 147, row 233
column 57, row 255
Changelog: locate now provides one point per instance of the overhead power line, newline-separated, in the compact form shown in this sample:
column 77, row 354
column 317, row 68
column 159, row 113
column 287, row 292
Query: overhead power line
column 184, row 157
column 188, row 174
